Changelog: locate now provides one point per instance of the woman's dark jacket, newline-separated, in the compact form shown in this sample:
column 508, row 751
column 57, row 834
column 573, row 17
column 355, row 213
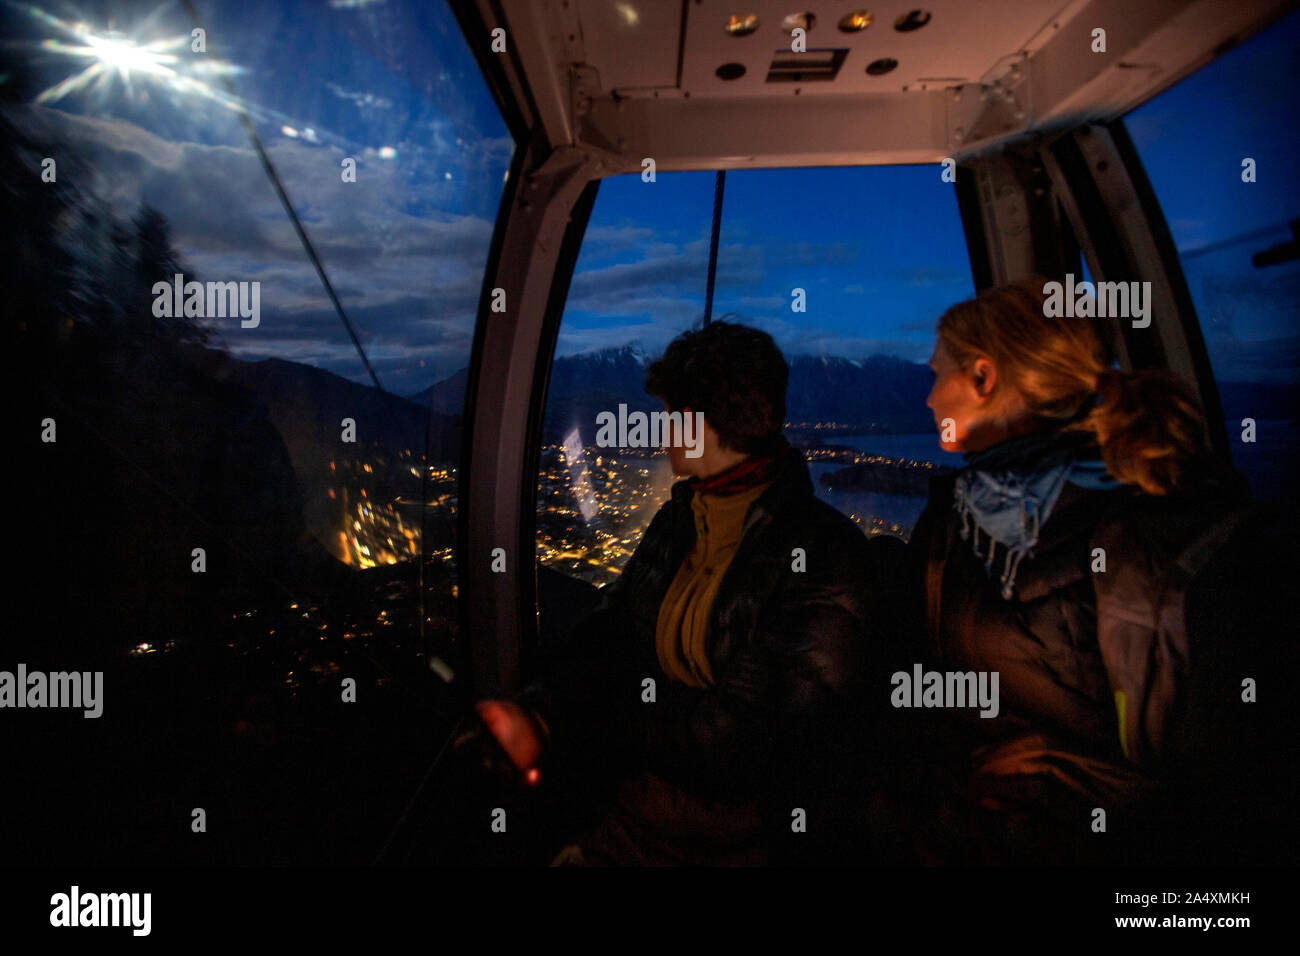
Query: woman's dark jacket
column 784, row 723
column 1026, row 785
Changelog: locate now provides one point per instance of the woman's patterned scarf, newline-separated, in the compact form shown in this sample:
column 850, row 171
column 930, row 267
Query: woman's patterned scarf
column 1006, row 493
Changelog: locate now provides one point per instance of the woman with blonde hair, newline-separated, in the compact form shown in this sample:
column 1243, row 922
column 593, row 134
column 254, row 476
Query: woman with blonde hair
column 1045, row 562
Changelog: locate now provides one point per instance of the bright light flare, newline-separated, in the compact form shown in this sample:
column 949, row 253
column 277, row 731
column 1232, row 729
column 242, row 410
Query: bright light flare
column 149, row 67
column 110, row 54
column 113, row 54
column 126, row 56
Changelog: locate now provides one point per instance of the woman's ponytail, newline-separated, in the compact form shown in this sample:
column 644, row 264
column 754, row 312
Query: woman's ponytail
column 1149, row 429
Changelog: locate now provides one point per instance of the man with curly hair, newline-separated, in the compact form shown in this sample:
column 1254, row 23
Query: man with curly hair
column 719, row 684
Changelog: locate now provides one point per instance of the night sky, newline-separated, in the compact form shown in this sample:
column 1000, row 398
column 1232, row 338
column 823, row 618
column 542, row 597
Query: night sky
column 879, row 250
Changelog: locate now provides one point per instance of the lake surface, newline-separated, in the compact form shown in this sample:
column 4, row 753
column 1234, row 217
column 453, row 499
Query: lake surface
column 901, row 510
column 924, row 447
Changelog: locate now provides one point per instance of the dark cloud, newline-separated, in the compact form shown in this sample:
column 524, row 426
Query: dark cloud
column 408, row 271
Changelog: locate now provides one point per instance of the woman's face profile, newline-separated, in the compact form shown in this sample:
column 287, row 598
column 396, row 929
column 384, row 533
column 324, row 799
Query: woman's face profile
column 958, row 398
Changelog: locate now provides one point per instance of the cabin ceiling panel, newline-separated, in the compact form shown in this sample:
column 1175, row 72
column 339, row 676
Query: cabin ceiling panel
column 960, row 43
column 686, row 134
column 623, row 80
column 632, row 44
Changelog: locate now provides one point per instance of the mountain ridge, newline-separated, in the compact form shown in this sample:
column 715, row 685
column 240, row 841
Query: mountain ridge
column 880, row 390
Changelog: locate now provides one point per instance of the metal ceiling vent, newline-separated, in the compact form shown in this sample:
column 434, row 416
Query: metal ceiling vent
column 808, row 67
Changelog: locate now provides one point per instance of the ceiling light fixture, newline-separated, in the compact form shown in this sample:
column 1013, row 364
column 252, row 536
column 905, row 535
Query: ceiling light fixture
column 741, row 24
column 856, row 21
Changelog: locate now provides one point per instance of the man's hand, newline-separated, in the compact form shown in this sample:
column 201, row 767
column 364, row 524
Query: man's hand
column 514, row 730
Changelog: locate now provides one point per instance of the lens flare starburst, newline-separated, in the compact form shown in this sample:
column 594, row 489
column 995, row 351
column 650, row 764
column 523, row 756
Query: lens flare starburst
column 109, row 63
column 109, row 55
column 131, row 59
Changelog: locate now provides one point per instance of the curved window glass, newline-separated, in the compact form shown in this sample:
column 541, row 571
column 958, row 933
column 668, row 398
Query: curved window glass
column 1218, row 148
column 245, row 252
column 847, row 268
column 639, row 280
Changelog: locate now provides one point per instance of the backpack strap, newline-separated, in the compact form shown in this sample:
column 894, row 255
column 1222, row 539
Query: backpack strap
column 1142, row 629
column 1196, row 555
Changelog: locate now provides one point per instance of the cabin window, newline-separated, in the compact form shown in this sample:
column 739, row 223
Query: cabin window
column 1219, row 148
column 639, row 280
column 847, row 268
column 231, row 521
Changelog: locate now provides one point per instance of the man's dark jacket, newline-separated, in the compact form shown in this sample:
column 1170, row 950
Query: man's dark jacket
column 792, row 652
